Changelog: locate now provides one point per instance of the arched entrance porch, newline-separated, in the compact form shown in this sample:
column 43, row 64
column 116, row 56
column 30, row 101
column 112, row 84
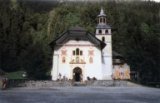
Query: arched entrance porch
column 77, row 74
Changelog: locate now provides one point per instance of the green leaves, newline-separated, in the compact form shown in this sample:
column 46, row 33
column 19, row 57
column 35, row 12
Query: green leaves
column 144, row 28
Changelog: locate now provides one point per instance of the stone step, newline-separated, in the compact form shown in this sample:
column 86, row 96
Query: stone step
column 79, row 84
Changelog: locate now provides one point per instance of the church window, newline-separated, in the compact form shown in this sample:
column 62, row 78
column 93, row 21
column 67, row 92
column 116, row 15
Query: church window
column 63, row 60
column 100, row 31
column 103, row 20
column 74, row 53
column 100, row 20
column 77, row 51
column 77, row 39
column 90, row 60
column 106, row 31
column 103, row 39
column 81, row 53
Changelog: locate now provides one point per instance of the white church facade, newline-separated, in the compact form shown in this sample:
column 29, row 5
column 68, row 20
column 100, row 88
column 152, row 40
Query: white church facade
column 79, row 54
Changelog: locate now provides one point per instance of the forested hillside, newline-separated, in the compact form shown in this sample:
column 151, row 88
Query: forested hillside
column 27, row 28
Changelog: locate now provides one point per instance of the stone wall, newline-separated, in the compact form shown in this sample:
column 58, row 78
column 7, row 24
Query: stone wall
column 38, row 84
column 48, row 84
column 107, row 83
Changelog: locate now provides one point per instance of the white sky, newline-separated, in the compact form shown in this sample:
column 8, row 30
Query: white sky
column 157, row 0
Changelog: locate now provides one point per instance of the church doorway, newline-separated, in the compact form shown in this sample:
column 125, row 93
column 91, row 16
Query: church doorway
column 77, row 74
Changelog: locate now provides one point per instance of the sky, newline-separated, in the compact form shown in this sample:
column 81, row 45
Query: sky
column 157, row 0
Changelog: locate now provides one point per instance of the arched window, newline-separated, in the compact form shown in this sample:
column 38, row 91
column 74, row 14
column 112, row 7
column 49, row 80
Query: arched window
column 100, row 31
column 81, row 53
column 101, row 20
column 77, row 51
column 74, row 53
column 103, row 39
column 106, row 31
column 104, row 20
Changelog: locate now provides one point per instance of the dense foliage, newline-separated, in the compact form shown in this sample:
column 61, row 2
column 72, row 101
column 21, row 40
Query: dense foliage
column 27, row 28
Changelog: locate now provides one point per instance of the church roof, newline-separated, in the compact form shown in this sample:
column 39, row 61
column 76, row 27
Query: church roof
column 77, row 28
column 77, row 33
column 103, row 26
column 118, row 58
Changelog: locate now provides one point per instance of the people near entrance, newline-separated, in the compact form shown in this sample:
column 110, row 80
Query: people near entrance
column 62, row 78
column 59, row 76
column 76, row 77
column 94, row 78
column 88, row 78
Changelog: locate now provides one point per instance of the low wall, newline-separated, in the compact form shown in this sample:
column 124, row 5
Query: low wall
column 47, row 84
column 107, row 83
column 16, row 83
column 38, row 84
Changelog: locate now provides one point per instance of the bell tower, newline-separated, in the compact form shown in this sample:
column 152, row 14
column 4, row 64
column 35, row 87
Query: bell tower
column 103, row 33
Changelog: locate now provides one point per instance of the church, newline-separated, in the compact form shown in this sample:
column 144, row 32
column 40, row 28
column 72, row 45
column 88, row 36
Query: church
column 79, row 54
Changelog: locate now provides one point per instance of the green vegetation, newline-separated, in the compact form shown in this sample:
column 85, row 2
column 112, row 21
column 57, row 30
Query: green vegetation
column 15, row 75
column 26, row 31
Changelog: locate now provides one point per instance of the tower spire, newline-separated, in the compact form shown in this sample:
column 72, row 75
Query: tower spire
column 102, row 26
column 102, row 12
